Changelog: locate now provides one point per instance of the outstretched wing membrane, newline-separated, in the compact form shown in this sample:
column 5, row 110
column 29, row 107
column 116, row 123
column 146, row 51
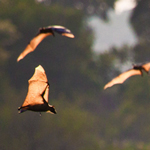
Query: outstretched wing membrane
column 146, row 67
column 35, row 90
column 122, row 77
column 43, row 33
column 39, row 75
column 33, row 44
column 38, row 84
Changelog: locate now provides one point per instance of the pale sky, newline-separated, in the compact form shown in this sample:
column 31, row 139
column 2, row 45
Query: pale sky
column 117, row 31
column 123, row 5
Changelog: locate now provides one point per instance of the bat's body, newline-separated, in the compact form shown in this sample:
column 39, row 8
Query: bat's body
column 43, row 33
column 136, row 70
column 38, row 93
column 144, row 67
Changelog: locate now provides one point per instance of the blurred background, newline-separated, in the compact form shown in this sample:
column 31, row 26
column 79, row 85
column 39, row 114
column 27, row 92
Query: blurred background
column 110, row 36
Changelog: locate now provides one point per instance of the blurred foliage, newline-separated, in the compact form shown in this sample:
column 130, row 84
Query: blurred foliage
column 89, row 7
column 87, row 116
column 141, row 16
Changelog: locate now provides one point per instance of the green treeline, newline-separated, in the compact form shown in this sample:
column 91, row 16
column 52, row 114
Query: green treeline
column 88, row 117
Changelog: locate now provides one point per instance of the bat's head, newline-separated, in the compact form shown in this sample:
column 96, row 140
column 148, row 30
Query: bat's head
column 41, row 30
column 52, row 109
column 46, row 30
column 137, row 67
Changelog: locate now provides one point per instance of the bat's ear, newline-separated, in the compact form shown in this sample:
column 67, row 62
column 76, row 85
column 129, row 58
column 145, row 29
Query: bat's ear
column 133, row 65
column 41, row 30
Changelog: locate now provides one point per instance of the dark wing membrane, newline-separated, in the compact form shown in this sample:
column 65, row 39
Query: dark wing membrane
column 46, row 94
column 146, row 67
column 122, row 77
column 34, row 95
column 62, row 30
column 39, row 75
column 33, row 44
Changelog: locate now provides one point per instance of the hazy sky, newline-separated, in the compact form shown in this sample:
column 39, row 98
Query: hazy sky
column 123, row 5
column 117, row 31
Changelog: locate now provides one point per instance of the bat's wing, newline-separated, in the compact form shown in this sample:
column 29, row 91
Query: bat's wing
column 34, row 95
column 46, row 93
column 146, row 67
column 37, row 86
column 39, row 75
column 122, row 77
column 33, row 44
column 62, row 30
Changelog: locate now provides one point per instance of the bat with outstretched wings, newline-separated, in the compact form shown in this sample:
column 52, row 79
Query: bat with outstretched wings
column 38, row 93
column 136, row 70
column 43, row 33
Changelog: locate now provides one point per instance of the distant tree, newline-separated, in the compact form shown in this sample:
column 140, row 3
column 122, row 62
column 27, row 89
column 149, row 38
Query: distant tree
column 89, row 7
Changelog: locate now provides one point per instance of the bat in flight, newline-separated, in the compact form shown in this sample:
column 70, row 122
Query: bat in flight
column 136, row 70
column 43, row 33
column 38, row 93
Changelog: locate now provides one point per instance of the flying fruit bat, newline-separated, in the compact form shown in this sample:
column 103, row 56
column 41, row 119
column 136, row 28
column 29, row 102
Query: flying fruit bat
column 43, row 33
column 136, row 70
column 38, row 93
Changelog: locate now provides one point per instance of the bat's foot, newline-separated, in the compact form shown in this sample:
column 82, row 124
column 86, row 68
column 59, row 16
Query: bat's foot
column 20, row 110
